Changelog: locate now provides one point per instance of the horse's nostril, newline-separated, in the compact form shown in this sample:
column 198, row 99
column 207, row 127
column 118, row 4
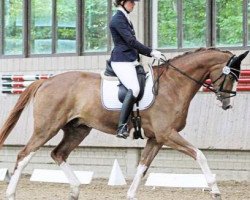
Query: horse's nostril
column 227, row 107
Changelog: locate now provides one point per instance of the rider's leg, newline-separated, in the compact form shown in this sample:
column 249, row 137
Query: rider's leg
column 126, row 73
column 127, row 108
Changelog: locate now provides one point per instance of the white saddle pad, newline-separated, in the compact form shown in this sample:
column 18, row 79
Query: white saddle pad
column 109, row 89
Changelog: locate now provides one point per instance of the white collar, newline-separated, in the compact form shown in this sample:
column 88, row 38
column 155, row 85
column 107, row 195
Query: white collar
column 125, row 13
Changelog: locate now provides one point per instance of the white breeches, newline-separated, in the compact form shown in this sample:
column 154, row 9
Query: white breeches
column 126, row 73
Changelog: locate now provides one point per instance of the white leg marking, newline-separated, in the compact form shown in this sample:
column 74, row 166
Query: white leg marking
column 135, row 184
column 73, row 180
column 211, row 181
column 11, row 190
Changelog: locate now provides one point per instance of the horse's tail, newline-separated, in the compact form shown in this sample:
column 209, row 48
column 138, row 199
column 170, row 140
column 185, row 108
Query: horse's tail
column 23, row 100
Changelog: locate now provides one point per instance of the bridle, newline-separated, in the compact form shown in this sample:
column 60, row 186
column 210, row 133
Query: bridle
column 229, row 69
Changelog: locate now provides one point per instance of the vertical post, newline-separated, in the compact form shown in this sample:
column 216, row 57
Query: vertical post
column 179, row 24
column 79, row 27
column 109, row 16
column 54, row 26
column 209, row 18
column 245, row 22
column 213, row 22
column 1, row 26
column 147, row 15
column 155, row 23
column 26, row 27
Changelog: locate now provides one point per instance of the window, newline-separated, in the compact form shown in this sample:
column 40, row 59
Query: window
column 66, row 26
column 166, row 29
column 33, row 27
column 51, row 34
column 12, row 27
column 41, row 27
column 95, row 25
column 194, row 23
column 54, row 26
column 180, row 24
column 229, row 23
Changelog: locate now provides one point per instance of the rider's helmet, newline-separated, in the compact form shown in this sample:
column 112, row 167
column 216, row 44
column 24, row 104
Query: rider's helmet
column 119, row 2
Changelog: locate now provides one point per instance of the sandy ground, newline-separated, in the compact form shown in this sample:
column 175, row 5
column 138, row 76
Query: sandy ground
column 98, row 189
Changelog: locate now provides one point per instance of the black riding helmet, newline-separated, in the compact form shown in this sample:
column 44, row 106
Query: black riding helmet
column 118, row 2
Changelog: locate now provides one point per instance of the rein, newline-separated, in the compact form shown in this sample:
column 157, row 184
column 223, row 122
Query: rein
column 202, row 83
column 226, row 71
column 156, row 83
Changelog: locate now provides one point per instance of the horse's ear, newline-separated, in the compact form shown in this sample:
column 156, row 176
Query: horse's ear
column 242, row 56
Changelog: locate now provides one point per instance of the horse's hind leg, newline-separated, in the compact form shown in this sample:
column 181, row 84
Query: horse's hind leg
column 11, row 190
column 177, row 142
column 36, row 141
column 73, row 136
column 149, row 152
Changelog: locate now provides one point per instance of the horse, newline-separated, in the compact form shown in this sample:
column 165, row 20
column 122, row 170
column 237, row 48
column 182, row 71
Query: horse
column 78, row 108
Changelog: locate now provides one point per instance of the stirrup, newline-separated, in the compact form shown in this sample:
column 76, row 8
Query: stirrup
column 122, row 131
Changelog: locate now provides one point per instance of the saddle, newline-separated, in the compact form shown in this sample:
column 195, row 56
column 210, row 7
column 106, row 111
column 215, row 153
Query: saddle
column 141, row 75
column 136, row 119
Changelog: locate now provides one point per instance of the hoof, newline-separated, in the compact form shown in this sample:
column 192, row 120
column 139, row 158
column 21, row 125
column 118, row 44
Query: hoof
column 11, row 197
column 216, row 196
column 74, row 193
column 73, row 198
column 130, row 197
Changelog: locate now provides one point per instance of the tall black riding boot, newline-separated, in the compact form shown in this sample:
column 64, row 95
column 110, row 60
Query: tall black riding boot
column 127, row 107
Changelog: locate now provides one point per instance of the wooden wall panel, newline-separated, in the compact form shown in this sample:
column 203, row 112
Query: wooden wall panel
column 208, row 126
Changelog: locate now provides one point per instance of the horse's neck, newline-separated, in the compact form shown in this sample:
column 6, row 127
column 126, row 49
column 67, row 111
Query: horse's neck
column 183, row 83
column 187, row 71
column 184, row 77
column 194, row 66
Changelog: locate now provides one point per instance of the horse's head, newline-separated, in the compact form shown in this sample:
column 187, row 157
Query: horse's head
column 224, row 79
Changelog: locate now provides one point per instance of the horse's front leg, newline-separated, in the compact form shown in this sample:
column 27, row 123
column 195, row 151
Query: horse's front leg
column 150, row 151
column 211, row 181
column 176, row 141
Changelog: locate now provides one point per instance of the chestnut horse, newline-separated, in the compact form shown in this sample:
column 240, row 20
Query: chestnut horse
column 77, row 109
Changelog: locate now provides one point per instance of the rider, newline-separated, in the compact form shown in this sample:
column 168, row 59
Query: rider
column 125, row 57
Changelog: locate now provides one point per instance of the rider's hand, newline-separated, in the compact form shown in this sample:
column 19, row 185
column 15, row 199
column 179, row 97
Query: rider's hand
column 156, row 54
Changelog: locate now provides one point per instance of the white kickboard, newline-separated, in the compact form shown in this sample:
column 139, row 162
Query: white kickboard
column 57, row 176
column 177, row 180
column 4, row 174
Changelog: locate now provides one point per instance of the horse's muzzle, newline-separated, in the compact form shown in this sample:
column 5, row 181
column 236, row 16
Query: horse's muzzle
column 226, row 104
column 227, row 107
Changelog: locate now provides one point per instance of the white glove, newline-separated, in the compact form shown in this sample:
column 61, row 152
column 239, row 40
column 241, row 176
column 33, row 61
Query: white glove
column 156, row 54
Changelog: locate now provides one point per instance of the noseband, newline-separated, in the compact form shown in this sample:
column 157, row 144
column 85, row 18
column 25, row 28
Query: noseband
column 229, row 69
